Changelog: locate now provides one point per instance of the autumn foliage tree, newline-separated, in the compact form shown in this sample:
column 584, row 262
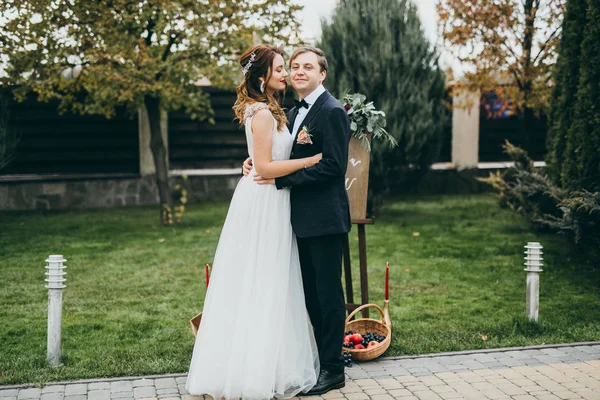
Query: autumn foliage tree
column 507, row 46
column 94, row 56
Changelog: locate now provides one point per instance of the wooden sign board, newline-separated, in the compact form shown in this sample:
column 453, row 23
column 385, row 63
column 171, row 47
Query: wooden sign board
column 357, row 179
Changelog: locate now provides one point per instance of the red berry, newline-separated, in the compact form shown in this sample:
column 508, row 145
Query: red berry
column 356, row 338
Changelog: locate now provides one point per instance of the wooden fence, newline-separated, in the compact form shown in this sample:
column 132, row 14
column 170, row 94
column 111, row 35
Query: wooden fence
column 69, row 143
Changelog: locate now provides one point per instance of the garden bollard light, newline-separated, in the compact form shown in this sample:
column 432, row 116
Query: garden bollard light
column 533, row 262
column 55, row 285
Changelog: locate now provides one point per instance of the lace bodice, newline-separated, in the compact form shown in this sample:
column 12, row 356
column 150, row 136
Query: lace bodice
column 282, row 141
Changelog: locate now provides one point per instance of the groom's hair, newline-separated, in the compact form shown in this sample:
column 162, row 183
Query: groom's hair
column 310, row 49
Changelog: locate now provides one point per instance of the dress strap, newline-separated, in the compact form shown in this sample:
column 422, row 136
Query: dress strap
column 253, row 108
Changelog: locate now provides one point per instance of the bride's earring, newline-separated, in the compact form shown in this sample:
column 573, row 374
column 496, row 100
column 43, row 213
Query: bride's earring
column 262, row 86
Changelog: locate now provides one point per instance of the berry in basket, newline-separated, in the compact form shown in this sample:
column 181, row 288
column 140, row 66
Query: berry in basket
column 369, row 339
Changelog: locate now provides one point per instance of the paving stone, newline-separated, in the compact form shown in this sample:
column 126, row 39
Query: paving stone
column 52, row 389
column 417, row 370
column 380, row 375
column 357, row 373
column 417, row 388
column 442, row 389
column 450, row 395
column 30, row 393
column 191, row 397
column 144, row 392
column 160, row 392
column 76, row 389
column 76, row 397
column 333, row 394
column 142, row 382
column 121, row 395
column 389, row 384
column 165, row 383
column 399, row 393
column 427, row 395
column 373, row 392
column 121, row 386
column 382, row 397
column 366, row 383
column 397, row 371
column 182, row 389
column 103, row 394
column 52, row 396
column 371, row 367
column 99, row 386
column 8, row 392
column 357, row 396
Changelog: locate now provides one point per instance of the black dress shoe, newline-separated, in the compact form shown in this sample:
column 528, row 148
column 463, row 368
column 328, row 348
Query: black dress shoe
column 327, row 381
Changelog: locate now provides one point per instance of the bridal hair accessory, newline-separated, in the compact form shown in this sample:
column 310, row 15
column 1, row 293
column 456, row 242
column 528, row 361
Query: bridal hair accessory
column 249, row 64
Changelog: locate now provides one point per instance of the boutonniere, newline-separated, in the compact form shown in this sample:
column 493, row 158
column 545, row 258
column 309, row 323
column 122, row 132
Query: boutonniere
column 304, row 136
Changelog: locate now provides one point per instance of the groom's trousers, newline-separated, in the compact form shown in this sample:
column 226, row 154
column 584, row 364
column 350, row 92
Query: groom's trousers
column 321, row 263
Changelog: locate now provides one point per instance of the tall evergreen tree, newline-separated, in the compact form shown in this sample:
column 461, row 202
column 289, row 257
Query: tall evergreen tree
column 582, row 165
column 566, row 81
column 378, row 48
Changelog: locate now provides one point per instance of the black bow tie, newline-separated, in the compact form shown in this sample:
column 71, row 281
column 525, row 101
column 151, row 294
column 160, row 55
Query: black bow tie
column 301, row 103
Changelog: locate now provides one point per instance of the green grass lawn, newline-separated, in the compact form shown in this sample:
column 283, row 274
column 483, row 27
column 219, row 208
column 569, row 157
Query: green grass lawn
column 132, row 285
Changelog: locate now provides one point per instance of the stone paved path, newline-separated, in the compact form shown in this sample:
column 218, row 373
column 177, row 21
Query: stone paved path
column 553, row 372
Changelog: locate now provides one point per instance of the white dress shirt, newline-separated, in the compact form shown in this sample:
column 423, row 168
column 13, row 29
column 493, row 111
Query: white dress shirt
column 310, row 99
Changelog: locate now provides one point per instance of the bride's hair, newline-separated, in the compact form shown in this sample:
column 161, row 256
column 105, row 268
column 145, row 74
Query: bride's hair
column 248, row 92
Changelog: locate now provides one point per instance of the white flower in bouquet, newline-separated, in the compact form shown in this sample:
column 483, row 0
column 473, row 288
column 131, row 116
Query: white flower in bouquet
column 365, row 120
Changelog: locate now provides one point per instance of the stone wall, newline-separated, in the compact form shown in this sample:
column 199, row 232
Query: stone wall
column 92, row 193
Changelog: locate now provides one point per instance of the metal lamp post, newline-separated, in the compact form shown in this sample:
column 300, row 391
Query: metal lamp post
column 533, row 262
column 55, row 284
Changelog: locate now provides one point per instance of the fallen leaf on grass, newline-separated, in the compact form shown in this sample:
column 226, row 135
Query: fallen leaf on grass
column 484, row 337
column 406, row 269
column 415, row 234
column 161, row 240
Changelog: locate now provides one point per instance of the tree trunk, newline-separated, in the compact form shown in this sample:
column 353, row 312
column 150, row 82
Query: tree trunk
column 528, row 113
column 527, row 46
column 159, row 153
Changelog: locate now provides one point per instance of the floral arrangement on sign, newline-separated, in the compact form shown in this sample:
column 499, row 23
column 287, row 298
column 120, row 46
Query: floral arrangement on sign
column 365, row 120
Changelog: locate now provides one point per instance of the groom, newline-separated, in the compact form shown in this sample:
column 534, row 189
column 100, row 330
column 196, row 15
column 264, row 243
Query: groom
column 319, row 206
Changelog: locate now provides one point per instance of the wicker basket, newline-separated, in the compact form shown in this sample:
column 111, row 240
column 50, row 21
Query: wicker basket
column 382, row 327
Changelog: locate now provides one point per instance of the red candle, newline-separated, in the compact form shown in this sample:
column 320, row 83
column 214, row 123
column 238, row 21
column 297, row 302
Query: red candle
column 207, row 275
column 387, row 281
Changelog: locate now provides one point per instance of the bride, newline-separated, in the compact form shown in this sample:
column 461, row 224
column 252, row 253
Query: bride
column 255, row 340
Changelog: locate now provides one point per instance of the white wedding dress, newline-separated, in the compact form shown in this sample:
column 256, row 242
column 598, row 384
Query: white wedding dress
column 255, row 339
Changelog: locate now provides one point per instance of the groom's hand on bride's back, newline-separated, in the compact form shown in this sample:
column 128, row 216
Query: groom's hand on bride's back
column 263, row 181
column 247, row 166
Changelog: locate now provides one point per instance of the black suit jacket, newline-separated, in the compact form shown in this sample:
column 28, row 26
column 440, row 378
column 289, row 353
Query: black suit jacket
column 318, row 194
